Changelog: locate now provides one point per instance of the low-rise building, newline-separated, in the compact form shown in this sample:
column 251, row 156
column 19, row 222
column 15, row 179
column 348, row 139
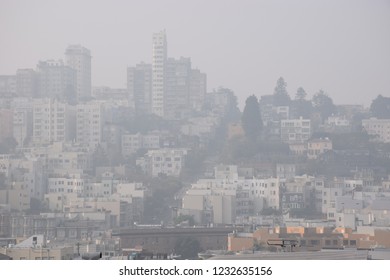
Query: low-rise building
column 131, row 143
column 378, row 129
column 316, row 147
column 36, row 248
column 163, row 161
column 295, row 130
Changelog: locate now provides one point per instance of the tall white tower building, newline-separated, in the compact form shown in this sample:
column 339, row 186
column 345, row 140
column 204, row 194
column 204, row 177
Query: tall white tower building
column 79, row 59
column 159, row 58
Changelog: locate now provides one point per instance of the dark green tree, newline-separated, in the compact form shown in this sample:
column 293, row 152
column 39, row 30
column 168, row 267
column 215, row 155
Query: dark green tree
column 187, row 247
column 301, row 94
column 281, row 97
column 323, row 104
column 380, row 107
column 300, row 107
column 251, row 119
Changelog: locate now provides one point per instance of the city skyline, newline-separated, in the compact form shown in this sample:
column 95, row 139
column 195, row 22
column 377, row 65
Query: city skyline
column 342, row 48
column 121, row 137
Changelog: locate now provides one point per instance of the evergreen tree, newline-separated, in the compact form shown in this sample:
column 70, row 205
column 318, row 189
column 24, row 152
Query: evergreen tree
column 251, row 119
column 323, row 104
column 301, row 94
column 281, row 97
column 300, row 107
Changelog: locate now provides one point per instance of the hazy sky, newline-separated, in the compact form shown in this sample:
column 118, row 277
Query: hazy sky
column 342, row 47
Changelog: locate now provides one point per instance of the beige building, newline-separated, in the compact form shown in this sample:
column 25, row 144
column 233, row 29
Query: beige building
column 235, row 130
column 309, row 238
column 36, row 248
column 316, row 147
column 17, row 196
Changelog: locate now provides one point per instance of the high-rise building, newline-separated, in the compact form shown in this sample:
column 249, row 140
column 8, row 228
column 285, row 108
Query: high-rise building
column 7, row 85
column 26, row 83
column 22, row 120
column 89, row 123
column 159, row 58
column 198, row 89
column 177, row 88
column 55, row 79
column 139, row 85
column 79, row 59
column 6, row 124
column 50, row 123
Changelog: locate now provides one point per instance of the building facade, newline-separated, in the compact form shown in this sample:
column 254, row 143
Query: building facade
column 379, row 129
column 55, row 79
column 79, row 59
column 159, row 60
column 139, row 86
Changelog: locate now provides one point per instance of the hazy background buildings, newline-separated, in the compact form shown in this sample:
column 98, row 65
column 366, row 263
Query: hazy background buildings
column 341, row 47
column 231, row 122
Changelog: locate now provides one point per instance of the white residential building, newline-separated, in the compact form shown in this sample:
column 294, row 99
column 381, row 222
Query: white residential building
column 131, row 190
column 163, row 161
column 228, row 196
column 73, row 183
column 295, row 131
column 379, row 129
column 131, row 143
column 105, row 188
column 337, row 121
column 50, row 123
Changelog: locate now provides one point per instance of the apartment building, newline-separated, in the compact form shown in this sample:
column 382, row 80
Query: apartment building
column 165, row 161
column 295, row 130
column 50, row 122
column 378, row 129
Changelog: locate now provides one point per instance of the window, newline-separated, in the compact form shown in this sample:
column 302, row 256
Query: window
column 314, row 242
